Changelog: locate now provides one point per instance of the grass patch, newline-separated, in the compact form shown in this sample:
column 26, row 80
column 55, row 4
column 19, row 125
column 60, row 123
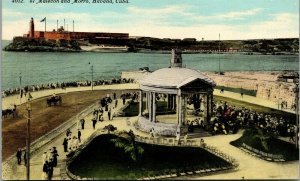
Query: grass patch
column 132, row 109
column 101, row 159
column 268, row 144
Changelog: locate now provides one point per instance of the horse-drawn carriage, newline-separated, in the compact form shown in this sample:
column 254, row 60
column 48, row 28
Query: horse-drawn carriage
column 54, row 100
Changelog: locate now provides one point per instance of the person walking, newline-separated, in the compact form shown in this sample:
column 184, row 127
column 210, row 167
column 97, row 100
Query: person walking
column 79, row 135
column 25, row 158
column 19, row 156
column 94, row 122
column 50, row 170
column 109, row 113
column 114, row 96
column 68, row 132
column 49, row 155
column 45, row 170
column 44, row 157
column 82, row 121
column 65, row 143
column 74, row 143
column 124, row 100
column 116, row 103
column 54, row 157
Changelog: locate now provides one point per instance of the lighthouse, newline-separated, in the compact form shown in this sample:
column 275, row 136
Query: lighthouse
column 31, row 28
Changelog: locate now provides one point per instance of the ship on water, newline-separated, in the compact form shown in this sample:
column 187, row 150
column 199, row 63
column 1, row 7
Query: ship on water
column 105, row 48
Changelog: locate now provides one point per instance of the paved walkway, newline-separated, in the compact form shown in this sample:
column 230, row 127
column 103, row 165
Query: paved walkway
column 250, row 167
column 251, row 99
column 9, row 101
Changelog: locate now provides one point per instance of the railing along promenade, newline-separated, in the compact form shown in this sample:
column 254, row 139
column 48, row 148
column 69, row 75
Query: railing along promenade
column 261, row 154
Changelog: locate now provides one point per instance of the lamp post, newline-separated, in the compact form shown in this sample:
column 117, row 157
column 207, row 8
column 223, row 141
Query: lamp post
column 28, row 108
column 92, row 69
column 20, row 77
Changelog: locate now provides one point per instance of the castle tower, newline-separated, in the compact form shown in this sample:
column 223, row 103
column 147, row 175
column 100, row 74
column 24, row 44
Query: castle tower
column 31, row 28
column 176, row 59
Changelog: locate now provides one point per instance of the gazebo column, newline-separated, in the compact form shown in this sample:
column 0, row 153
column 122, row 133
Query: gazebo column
column 174, row 102
column 141, row 104
column 183, row 107
column 208, row 107
column 153, row 107
column 150, row 106
column 205, row 108
column 169, row 101
column 179, row 113
column 202, row 102
column 147, row 101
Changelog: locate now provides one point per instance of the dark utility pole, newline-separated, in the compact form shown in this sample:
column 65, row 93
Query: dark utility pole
column 28, row 142
column 20, row 85
column 92, row 69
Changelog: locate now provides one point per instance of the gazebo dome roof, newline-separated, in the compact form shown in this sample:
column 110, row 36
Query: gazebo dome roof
column 174, row 77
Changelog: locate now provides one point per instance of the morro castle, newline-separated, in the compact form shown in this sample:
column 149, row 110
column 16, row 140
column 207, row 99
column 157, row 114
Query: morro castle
column 61, row 33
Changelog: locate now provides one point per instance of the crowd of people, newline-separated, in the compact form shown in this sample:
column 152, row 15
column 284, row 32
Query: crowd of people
column 32, row 88
column 49, row 160
column 229, row 119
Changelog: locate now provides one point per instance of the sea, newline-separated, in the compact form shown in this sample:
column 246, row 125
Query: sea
column 48, row 67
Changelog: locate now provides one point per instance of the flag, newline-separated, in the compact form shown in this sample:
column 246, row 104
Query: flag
column 43, row 20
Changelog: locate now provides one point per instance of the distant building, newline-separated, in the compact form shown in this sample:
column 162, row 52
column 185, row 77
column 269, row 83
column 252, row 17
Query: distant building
column 66, row 35
column 190, row 39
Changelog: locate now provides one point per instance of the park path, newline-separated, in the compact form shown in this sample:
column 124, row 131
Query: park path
column 8, row 102
column 250, row 167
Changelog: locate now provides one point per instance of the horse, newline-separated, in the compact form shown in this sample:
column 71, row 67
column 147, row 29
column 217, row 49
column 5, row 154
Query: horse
column 55, row 100
column 8, row 112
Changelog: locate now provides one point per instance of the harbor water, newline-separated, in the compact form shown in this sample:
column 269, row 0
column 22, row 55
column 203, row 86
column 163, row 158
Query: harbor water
column 48, row 67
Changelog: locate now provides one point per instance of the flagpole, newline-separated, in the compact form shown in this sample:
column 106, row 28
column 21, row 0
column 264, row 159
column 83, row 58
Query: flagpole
column 45, row 24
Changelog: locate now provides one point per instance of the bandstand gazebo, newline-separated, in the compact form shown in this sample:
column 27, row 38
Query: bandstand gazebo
column 172, row 97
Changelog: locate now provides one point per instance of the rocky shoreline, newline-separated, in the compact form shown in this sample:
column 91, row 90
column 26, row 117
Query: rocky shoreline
column 20, row 44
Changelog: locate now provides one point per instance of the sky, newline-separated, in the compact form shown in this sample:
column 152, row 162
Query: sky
column 233, row 19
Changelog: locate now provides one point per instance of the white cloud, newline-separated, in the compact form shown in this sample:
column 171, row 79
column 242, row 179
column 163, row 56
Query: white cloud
column 11, row 13
column 231, row 15
column 167, row 10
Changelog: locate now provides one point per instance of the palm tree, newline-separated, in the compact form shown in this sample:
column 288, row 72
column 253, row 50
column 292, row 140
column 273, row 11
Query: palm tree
column 264, row 137
column 110, row 128
column 126, row 141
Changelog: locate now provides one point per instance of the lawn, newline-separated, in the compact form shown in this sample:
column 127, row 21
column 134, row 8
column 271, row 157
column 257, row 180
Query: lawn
column 102, row 160
column 253, row 138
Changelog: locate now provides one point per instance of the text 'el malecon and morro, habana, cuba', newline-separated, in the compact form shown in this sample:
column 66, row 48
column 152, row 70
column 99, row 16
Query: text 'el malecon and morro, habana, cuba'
column 69, row 1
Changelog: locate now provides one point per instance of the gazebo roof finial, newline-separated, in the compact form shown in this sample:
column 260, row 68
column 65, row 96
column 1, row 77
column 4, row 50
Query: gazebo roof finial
column 176, row 59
